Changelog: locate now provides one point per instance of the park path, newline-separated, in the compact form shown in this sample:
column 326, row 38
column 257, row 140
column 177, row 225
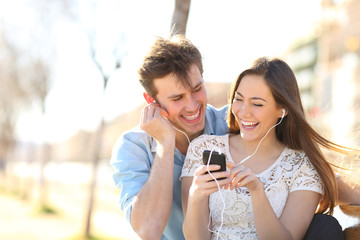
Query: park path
column 19, row 221
column 68, row 195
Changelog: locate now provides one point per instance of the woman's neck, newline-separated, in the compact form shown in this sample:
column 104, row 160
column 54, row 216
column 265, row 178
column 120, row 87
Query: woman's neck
column 267, row 147
column 254, row 156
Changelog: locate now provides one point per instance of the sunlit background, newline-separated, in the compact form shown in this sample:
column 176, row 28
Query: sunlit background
column 55, row 55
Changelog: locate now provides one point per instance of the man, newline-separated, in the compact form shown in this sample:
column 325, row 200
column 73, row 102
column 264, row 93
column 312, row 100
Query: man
column 148, row 160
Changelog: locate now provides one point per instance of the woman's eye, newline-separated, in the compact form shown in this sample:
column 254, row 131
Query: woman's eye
column 258, row 105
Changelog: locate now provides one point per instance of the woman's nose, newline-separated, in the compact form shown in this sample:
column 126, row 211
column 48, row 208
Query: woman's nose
column 245, row 110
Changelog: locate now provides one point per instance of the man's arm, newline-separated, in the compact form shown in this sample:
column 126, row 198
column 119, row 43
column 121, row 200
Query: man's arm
column 145, row 183
column 152, row 205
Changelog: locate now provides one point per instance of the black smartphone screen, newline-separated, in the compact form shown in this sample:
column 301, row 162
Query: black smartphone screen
column 216, row 158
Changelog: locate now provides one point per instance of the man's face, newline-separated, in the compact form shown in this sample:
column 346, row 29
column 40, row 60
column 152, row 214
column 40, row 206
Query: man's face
column 185, row 107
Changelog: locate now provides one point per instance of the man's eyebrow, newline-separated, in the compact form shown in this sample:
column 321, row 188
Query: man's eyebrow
column 175, row 96
column 198, row 84
column 182, row 94
column 253, row 98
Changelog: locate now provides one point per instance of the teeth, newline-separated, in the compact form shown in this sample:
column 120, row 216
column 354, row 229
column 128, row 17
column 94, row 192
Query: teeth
column 248, row 123
column 192, row 117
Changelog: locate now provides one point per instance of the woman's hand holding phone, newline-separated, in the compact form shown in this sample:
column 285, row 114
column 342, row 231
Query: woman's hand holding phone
column 203, row 183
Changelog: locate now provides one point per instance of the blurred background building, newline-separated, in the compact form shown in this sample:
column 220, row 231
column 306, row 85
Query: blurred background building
column 327, row 68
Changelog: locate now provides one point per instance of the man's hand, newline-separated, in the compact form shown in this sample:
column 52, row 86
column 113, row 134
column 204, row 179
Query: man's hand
column 153, row 122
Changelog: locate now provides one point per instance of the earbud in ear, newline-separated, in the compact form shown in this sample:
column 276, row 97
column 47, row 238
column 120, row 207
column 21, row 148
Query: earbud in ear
column 283, row 115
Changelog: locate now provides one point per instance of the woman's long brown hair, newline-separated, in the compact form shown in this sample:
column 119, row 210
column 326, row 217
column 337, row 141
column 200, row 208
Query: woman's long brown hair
column 294, row 131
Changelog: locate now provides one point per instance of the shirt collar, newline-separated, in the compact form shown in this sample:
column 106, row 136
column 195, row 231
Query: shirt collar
column 208, row 129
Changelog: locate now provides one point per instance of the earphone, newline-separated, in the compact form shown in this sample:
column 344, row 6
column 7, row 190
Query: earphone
column 242, row 161
column 282, row 117
column 221, row 195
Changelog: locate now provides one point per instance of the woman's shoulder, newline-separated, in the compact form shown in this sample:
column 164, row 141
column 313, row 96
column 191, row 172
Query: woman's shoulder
column 297, row 158
column 294, row 154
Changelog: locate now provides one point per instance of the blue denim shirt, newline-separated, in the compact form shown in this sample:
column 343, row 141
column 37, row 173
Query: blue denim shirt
column 132, row 157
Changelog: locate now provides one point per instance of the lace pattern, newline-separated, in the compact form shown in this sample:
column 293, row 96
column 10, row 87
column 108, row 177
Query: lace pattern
column 292, row 171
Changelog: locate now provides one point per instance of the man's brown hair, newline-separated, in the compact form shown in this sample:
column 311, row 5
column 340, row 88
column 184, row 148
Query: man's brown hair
column 174, row 56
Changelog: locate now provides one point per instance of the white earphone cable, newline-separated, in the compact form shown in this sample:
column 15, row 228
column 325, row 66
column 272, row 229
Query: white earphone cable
column 182, row 133
column 217, row 183
column 222, row 199
column 242, row 161
column 247, row 158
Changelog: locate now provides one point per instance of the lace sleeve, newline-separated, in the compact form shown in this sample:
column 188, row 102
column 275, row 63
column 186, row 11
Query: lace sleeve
column 306, row 178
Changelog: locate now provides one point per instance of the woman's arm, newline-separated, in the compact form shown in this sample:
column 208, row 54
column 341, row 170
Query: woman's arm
column 195, row 192
column 196, row 213
column 294, row 221
column 296, row 217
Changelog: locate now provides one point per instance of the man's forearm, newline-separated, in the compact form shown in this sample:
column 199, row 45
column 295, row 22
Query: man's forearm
column 349, row 192
column 152, row 207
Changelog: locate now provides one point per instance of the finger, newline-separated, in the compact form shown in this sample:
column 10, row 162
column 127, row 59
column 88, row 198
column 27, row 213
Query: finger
column 203, row 175
column 203, row 169
column 143, row 117
column 238, row 178
column 164, row 113
column 247, row 180
column 235, row 170
column 155, row 104
column 219, row 176
column 150, row 111
column 202, row 185
column 235, row 180
column 157, row 112
column 230, row 165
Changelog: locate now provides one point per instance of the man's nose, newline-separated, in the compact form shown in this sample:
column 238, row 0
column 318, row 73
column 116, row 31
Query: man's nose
column 191, row 104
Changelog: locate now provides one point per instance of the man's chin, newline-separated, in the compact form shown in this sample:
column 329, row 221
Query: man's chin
column 196, row 131
column 191, row 127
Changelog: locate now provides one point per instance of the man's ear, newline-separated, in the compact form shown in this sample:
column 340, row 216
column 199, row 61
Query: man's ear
column 148, row 98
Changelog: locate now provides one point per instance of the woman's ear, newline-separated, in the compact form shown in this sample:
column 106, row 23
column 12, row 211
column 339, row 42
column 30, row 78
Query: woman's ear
column 148, row 98
column 283, row 112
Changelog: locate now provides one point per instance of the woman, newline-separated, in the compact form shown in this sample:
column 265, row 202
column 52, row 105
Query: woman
column 278, row 176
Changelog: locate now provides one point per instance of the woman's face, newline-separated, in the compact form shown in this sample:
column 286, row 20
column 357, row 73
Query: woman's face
column 255, row 108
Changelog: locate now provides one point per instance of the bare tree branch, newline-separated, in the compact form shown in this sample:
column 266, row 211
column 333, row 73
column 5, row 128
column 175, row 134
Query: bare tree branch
column 180, row 17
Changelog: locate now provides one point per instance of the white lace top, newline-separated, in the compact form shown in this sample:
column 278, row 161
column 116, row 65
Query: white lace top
column 292, row 171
